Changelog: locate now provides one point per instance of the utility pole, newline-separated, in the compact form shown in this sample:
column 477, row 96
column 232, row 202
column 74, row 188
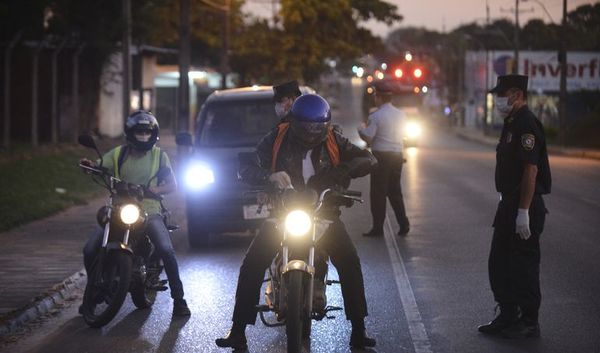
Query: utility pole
column 126, row 47
column 183, row 116
column 487, row 74
column 54, row 117
column 562, row 58
column 225, row 49
column 75, row 91
column 34, row 93
column 7, row 57
column 515, row 67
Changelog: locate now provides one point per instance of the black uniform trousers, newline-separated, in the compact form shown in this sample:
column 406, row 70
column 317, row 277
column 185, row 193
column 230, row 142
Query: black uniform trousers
column 514, row 263
column 385, row 183
column 335, row 242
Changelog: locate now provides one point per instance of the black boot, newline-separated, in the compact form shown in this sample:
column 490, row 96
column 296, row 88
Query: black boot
column 522, row 329
column 359, row 337
column 509, row 315
column 403, row 230
column 180, row 308
column 236, row 338
column 374, row 233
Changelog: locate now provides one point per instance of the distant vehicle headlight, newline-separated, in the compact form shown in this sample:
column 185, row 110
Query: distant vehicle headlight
column 413, row 130
column 198, row 176
column 130, row 214
column 298, row 223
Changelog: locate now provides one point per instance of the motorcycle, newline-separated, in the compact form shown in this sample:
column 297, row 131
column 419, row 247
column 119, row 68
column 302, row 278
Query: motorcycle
column 289, row 293
column 126, row 261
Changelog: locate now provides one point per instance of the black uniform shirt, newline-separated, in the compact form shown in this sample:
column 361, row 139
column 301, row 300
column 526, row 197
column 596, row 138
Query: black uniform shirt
column 522, row 141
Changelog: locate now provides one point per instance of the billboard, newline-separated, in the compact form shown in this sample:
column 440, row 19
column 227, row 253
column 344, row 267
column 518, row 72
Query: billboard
column 542, row 67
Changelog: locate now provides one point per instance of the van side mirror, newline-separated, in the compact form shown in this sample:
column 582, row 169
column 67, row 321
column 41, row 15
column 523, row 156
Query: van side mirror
column 183, row 139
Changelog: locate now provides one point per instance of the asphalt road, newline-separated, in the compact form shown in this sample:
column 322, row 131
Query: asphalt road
column 427, row 292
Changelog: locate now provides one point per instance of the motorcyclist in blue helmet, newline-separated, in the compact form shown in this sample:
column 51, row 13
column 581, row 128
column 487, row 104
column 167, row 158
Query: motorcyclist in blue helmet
column 312, row 156
column 311, row 119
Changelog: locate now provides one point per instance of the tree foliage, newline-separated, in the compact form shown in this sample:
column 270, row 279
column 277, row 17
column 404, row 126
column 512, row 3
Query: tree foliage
column 309, row 32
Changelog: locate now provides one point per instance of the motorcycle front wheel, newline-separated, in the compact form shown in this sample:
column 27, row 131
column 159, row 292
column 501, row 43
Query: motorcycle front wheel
column 143, row 294
column 294, row 319
column 107, row 287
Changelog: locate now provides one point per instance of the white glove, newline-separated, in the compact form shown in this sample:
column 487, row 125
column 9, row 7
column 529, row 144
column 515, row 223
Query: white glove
column 281, row 180
column 522, row 223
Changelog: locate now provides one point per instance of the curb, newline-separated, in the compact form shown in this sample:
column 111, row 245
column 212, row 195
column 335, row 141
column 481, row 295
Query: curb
column 556, row 150
column 42, row 304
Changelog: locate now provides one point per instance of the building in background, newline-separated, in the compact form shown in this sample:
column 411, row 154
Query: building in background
column 543, row 69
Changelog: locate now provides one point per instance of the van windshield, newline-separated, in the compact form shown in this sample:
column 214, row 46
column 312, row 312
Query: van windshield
column 236, row 123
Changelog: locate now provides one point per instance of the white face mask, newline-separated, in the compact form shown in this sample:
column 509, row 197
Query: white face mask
column 143, row 137
column 503, row 107
column 280, row 109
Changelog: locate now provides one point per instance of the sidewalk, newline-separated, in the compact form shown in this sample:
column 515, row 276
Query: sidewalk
column 41, row 263
column 474, row 134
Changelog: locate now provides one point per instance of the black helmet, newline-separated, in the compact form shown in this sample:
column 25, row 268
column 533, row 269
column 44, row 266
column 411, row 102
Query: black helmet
column 311, row 118
column 141, row 120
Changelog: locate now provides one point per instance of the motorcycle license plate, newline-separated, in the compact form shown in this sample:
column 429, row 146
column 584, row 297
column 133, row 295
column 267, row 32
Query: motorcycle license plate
column 251, row 212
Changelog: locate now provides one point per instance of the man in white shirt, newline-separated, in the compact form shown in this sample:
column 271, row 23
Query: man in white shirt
column 384, row 133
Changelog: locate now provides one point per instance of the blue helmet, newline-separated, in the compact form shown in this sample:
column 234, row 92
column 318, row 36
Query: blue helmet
column 311, row 118
column 312, row 108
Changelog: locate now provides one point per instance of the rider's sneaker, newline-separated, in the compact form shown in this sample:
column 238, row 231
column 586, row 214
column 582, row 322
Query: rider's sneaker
column 359, row 339
column 180, row 308
column 233, row 340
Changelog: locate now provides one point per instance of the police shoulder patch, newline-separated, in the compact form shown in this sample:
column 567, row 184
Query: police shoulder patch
column 528, row 141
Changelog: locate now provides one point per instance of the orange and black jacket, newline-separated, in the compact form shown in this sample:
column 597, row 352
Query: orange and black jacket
column 277, row 152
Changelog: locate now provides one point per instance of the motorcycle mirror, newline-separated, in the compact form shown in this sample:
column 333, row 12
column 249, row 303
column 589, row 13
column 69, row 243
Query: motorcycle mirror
column 88, row 141
column 183, row 139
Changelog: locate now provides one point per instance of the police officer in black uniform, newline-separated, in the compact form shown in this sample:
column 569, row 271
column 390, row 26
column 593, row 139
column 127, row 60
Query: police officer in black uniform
column 522, row 177
column 284, row 96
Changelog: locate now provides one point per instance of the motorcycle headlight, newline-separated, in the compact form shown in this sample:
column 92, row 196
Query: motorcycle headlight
column 413, row 130
column 298, row 223
column 130, row 214
column 198, row 176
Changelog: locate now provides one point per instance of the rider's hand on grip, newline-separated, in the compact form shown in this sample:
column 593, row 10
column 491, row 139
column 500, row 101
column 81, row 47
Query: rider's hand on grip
column 281, row 180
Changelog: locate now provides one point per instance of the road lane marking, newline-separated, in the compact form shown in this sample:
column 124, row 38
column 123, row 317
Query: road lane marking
column 416, row 328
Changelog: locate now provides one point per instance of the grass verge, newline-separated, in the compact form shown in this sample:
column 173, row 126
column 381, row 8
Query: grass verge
column 41, row 182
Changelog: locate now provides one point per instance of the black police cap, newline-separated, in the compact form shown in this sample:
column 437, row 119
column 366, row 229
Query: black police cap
column 288, row 89
column 384, row 87
column 506, row 82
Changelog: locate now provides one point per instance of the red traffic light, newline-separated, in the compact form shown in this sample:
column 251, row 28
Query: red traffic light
column 398, row 73
column 418, row 73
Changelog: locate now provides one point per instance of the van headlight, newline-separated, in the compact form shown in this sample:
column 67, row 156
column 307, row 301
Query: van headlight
column 298, row 223
column 198, row 176
column 413, row 130
column 130, row 214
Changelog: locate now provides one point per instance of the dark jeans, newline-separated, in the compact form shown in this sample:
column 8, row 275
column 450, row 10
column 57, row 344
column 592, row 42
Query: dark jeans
column 160, row 237
column 385, row 183
column 514, row 263
column 335, row 242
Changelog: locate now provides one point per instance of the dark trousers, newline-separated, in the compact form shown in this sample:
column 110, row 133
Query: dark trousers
column 514, row 263
column 160, row 237
column 335, row 242
column 385, row 184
